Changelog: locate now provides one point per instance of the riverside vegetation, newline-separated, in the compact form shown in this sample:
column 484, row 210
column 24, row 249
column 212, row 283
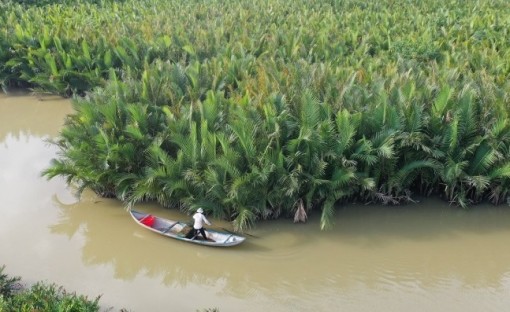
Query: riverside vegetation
column 14, row 297
column 271, row 108
column 40, row 297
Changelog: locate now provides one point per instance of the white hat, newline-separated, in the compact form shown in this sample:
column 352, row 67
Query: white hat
column 200, row 210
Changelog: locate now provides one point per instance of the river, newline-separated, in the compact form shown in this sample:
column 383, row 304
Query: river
column 427, row 256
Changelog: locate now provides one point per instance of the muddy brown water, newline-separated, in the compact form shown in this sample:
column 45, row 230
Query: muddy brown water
column 424, row 257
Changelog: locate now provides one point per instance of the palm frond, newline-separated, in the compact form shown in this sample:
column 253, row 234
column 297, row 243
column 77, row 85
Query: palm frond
column 327, row 216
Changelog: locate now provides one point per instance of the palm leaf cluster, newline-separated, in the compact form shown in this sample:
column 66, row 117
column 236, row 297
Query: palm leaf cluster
column 244, row 160
column 262, row 109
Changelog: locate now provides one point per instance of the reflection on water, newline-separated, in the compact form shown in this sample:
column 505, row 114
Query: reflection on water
column 425, row 257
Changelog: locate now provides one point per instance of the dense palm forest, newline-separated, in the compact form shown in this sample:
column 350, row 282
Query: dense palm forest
column 271, row 108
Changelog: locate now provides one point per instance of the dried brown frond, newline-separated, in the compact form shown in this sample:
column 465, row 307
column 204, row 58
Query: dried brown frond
column 300, row 215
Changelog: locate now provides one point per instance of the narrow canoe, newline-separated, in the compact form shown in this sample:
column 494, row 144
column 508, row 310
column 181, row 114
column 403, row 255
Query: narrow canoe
column 179, row 229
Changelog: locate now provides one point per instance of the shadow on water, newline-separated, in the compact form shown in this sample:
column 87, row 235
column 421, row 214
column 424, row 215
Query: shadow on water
column 431, row 219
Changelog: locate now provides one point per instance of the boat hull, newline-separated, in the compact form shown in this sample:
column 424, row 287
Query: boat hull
column 179, row 229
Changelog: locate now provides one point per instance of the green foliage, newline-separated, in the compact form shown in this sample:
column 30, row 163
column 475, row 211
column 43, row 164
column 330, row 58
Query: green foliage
column 262, row 109
column 7, row 285
column 40, row 297
column 50, row 297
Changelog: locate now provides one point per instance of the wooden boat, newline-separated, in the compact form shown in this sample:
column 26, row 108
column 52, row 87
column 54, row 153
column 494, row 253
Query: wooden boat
column 178, row 230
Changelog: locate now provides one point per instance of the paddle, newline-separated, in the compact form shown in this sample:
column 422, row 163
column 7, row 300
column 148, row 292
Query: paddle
column 232, row 232
column 226, row 230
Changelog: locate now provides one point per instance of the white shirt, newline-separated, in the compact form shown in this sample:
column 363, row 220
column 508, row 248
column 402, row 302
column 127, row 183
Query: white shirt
column 199, row 221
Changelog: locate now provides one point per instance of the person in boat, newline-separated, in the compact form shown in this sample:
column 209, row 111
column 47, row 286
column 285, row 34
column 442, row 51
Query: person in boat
column 198, row 225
